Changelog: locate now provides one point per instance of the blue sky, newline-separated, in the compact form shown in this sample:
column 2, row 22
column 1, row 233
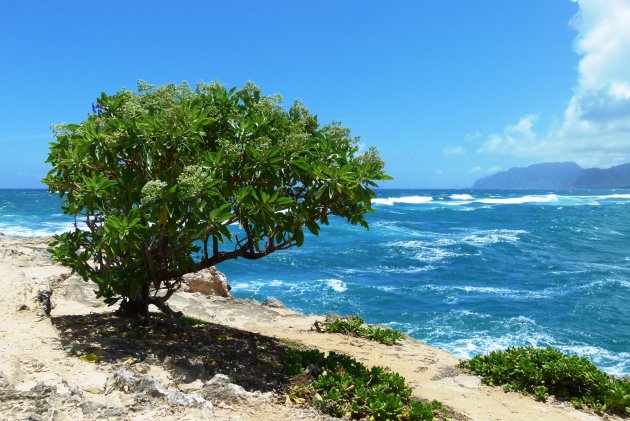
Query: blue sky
column 447, row 90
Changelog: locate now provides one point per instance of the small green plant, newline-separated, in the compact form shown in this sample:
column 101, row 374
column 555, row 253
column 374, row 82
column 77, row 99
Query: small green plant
column 544, row 372
column 354, row 326
column 343, row 386
column 191, row 321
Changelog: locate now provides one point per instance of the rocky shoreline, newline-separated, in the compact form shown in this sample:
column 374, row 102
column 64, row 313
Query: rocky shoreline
column 80, row 362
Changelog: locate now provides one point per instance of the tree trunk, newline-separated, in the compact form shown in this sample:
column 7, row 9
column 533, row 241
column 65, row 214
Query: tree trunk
column 139, row 305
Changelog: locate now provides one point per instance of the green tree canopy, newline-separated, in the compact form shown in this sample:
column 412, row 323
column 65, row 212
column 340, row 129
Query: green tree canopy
column 155, row 178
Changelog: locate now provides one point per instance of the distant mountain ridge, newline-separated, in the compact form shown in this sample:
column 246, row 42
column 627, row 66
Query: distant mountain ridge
column 555, row 175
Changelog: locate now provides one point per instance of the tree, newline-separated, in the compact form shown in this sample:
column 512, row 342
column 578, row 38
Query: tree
column 170, row 180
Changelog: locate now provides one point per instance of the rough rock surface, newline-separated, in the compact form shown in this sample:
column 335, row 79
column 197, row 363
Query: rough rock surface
column 208, row 282
column 273, row 303
column 220, row 389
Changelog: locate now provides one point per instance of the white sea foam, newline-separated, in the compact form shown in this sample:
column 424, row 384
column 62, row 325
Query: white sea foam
column 461, row 197
column 520, row 200
column 336, row 284
column 412, row 200
column 485, row 343
column 515, row 294
column 625, row 284
column 612, row 363
column 522, row 319
column 255, row 286
column 493, row 236
column 451, row 299
column 431, row 255
column 444, row 241
column 592, row 200
column 406, row 270
column 387, row 269
column 487, row 290
column 424, row 251
column 48, row 229
column 466, row 202
column 602, row 197
column 407, row 244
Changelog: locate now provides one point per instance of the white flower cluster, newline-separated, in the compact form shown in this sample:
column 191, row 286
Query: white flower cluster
column 194, row 178
column 152, row 191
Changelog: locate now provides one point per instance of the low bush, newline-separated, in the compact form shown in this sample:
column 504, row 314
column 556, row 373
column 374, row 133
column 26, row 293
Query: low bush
column 544, row 372
column 354, row 326
column 342, row 386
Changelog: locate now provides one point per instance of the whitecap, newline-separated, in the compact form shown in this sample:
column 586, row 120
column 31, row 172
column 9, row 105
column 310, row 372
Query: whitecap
column 412, row 200
column 336, row 285
column 520, row 200
column 522, row 319
column 484, row 343
column 23, row 231
column 504, row 292
column 613, row 363
column 461, row 197
column 501, row 292
column 451, row 299
column 407, row 244
column 467, row 202
column 424, row 251
column 493, row 236
column 615, row 196
column 257, row 285
column 601, row 197
column 245, row 286
column 431, row 254
column 404, row 270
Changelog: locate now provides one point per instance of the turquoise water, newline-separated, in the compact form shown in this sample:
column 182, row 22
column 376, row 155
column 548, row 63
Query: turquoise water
column 468, row 271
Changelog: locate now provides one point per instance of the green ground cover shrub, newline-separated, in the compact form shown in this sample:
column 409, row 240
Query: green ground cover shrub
column 544, row 372
column 354, row 326
column 342, row 386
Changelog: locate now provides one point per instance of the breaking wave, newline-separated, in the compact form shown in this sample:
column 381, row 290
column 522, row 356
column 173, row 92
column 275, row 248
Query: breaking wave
column 461, row 197
column 413, row 200
column 519, row 200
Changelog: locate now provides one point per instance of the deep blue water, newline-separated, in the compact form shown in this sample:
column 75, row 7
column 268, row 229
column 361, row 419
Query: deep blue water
column 468, row 271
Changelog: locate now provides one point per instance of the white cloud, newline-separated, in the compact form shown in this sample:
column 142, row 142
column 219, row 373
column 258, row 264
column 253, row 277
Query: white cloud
column 516, row 139
column 493, row 169
column 595, row 129
column 453, row 150
column 472, row 136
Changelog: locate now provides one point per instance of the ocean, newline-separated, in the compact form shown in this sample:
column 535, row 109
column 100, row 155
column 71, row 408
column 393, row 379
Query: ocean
column 469, row 271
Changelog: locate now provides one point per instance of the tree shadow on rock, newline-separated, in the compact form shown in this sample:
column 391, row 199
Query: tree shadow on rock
column 191, row 349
